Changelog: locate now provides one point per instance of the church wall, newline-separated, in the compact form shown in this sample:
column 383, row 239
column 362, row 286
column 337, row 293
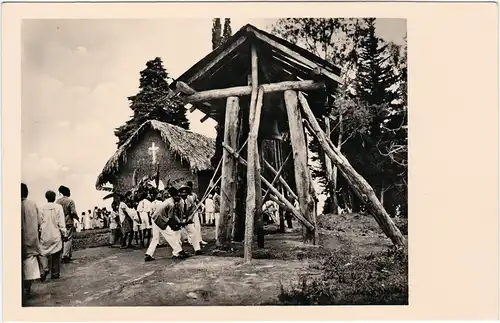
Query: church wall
column 140, row 159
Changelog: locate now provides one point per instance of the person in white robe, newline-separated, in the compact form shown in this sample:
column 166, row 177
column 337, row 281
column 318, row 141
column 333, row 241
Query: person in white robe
column 52, row 232
column 145, row 208
column 88, row 220
column 197, row 212
column 30, row 224
column 209, row 209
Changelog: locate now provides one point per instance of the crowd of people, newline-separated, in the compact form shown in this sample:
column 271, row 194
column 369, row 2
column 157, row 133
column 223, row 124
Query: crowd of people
column 175, row 214
column 144, row 214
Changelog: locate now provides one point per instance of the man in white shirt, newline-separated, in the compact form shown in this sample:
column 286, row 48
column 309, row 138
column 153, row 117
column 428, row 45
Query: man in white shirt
column 145, row 208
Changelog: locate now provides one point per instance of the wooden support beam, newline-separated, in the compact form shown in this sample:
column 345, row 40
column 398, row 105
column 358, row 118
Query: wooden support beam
column 247, row 90
column 356, row 181
column 217, row 59
column 229, row 171
column 273, row 190
column 329, row 172
column 298, row 57
column 259, row 215
column 303, row 178
column 277, row 175
column 282, row 181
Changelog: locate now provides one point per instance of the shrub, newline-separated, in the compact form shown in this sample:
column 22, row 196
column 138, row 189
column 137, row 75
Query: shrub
column 375, row 279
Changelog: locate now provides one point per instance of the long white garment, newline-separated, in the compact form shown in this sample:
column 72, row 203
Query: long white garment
column 88, row 222
column 144, row 208
column 172, row 237
column 51, row 227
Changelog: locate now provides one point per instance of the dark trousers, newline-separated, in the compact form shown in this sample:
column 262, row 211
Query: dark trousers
column 51, row 263
column 115, row 235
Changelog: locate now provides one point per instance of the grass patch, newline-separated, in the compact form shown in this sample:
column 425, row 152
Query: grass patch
column 351, row 279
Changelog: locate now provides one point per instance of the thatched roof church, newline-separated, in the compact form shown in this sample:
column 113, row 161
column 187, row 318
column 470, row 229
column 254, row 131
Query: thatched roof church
column 177, row 154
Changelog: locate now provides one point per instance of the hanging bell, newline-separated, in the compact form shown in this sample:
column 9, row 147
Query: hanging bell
column 270, row 130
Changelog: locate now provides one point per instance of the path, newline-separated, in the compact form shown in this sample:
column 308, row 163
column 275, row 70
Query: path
column 114, row 277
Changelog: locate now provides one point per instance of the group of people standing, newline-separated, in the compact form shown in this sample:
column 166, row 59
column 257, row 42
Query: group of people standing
column 47, row 235
column 174, row 214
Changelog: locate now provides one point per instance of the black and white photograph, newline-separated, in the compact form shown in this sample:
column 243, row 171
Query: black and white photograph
column 214, row 162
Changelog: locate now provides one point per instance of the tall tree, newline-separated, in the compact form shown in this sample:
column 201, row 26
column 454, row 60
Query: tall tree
column 216, row 33
column 364, row 104
column 219, row 37
column 226, row 33
column 150, row 102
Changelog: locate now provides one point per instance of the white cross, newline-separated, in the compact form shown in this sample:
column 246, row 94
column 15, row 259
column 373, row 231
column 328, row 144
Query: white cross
column 152, row 151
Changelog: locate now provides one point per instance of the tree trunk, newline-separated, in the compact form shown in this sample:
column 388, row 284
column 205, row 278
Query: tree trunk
column 229, row 173
column 303, row 179
column 253, row 156
column 357, row 182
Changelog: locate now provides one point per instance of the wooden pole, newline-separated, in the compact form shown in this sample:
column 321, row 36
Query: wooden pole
column 357, row 182
column 259, row 216
column 254, row 121
column 273, row 190
column 247, row 90
column 303, row 178
column 282, row 181
column 329, row 174
column 228, row 185
column 277, row 175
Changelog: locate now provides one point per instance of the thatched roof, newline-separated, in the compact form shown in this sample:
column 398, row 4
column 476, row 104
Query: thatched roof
column 190, row 147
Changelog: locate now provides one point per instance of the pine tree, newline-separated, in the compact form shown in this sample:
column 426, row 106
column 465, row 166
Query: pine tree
column 216, row 33
column 226, row 33
column 150, row 102
column 217, row 40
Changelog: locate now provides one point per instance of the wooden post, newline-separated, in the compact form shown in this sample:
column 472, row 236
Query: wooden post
column 228, row 186
column 333, row 207
column 259, row 216
column 357, row 182
column 254, row 121
column 303, row 180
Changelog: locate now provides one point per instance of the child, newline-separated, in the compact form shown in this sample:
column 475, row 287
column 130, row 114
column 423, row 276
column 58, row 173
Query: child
column 114, row 220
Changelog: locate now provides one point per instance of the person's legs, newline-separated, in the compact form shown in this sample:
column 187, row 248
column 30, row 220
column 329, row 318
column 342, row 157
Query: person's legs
column 154, row 241
column 68, row 245
column 44, row 264
column 55, row 265
column 173, row 239
column 144, row 237
column 193, row 236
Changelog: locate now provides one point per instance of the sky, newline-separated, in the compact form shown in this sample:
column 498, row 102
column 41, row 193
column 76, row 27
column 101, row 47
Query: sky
column 76, row 77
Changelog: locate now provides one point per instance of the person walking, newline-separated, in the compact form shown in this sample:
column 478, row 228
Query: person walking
column 30, row 224
column 52, row 233
column 70, row 214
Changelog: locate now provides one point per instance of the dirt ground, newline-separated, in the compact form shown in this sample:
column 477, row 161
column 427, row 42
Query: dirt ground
column 106, row 276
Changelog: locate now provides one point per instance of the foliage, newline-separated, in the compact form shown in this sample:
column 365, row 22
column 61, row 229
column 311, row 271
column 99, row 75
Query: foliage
column 352, row 279
column 216, row 33
column 369, row 113
column 151, row 103
column 218, row 39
